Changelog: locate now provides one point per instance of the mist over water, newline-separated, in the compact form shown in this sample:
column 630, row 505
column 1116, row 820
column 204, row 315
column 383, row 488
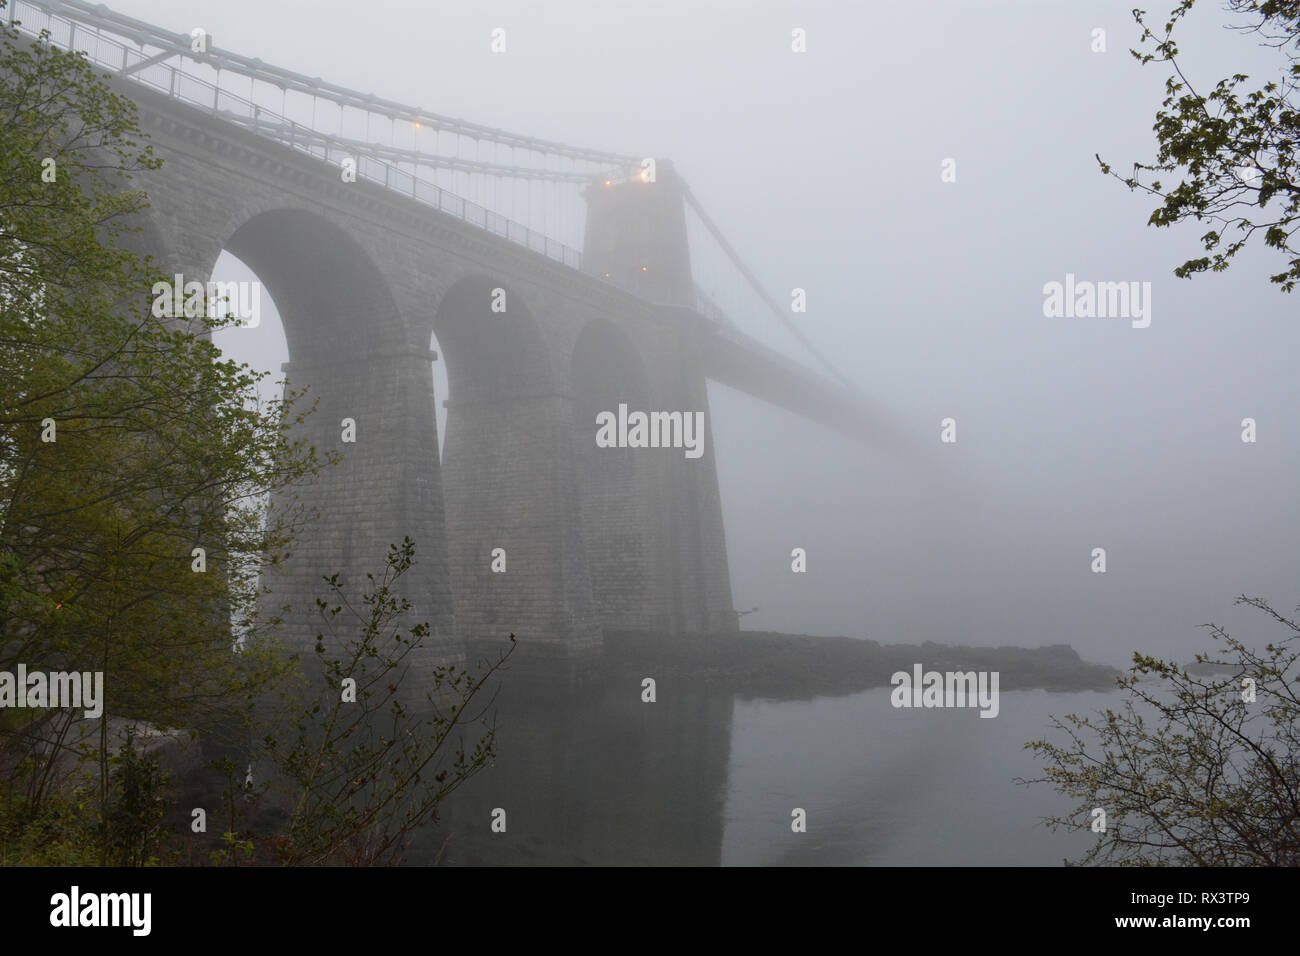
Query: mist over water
column 885, row 787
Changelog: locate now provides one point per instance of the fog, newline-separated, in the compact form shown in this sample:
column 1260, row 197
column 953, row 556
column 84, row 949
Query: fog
column 824, row 168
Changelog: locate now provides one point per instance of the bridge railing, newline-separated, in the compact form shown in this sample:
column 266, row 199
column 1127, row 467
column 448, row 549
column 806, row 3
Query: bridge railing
column 174, row 82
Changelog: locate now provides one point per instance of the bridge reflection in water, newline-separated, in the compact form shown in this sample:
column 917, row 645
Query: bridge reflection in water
column 588, row 773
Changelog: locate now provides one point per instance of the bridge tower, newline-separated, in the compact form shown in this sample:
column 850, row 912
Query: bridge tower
column 636, row 235
column 636, row 239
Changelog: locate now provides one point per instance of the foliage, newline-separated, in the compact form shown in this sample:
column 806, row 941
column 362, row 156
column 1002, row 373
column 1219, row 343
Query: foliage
column 63, row 832
column 364, row 764
column 126, row 441
column 1232, row 150
column 1195, row 769
column 135, row 817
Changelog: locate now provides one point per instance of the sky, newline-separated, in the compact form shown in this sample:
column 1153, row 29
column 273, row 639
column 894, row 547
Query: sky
column 824, row 168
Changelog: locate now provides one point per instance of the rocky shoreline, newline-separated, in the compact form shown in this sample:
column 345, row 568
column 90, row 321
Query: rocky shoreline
column 775, row 666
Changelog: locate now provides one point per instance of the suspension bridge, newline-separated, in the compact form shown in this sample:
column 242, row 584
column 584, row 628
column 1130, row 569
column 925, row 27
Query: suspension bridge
column 380, row 228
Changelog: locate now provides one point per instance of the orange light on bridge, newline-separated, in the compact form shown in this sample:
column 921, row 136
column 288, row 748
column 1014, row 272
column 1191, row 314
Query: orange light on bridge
column 644, row 269
column 608, row 182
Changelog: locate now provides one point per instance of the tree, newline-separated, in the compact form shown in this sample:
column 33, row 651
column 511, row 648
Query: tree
column 135, row 819
column 1201, row 765
column 126, row 444
column 357, row 761
column 137, row 467
column 1233, row 149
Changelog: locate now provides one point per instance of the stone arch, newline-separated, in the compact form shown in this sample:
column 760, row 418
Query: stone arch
column 508, row 475
column 333, row 299
column 349, row 350
column 491, row 354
